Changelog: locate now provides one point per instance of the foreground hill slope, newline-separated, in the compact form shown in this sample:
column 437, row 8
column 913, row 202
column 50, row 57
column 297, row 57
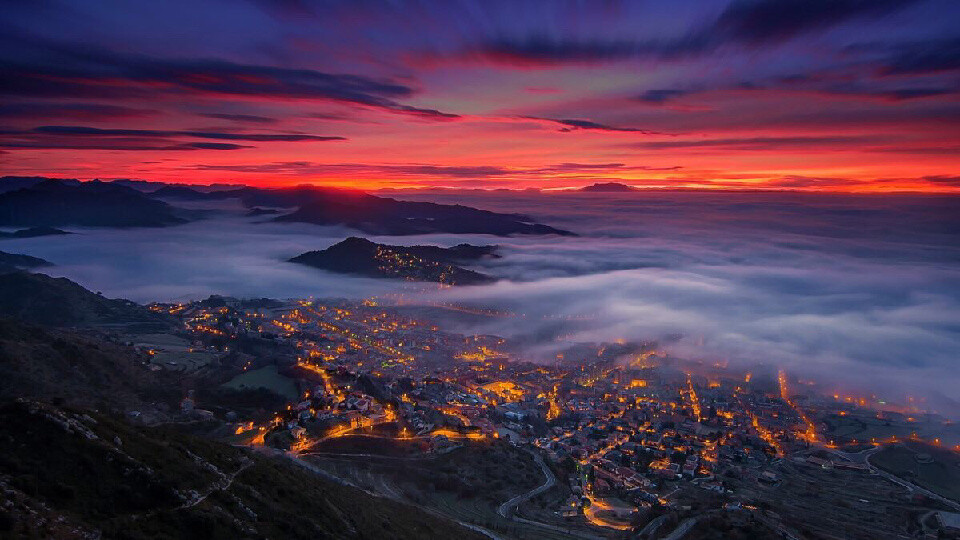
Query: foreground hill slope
column 71, row 474
column 41, row 299
column 67, row 471
column 12, row 262
column 80, row 370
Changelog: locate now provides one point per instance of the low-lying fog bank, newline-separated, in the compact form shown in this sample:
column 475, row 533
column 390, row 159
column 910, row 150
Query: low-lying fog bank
column 864, row 289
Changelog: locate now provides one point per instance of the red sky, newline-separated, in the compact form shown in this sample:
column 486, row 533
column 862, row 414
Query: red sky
column 840, row 95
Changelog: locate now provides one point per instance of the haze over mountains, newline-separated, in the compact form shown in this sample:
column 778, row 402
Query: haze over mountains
column 41, row 299
column 13, row 183
column 369, row 213
column 89, row 204
column 11, row 262
column 639, row 268
column 102, row 204
column 32, row 232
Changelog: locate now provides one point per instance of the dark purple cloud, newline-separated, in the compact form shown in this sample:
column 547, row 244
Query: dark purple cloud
column 422, row 169
column 551, row 51
column 578, row 167
column 307, row 167
column 259, row 137
column 849, row 83
column 943, row 180
column 891, row 94
column 208, row 146
column 932, row 56
column 91, row 138
column 243, row 118
column 749, row 23
column 662, row 95
column 128, row 145
column 760, row 22
column 76, row 111
column 796, row 181
column 573, row 124
column 59, row 71
column 761, row 143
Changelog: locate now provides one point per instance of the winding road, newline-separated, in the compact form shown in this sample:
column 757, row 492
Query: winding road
column 294, row 458
column 506, row 509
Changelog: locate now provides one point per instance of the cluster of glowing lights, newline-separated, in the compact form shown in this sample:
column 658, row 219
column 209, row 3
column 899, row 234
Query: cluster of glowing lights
column 766, row 435
column 810, row 434
column 592, row 514
column 694, row 400
column 395, row 263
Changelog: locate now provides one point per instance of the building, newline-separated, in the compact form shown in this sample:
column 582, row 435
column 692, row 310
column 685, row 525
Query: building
column 949, row 522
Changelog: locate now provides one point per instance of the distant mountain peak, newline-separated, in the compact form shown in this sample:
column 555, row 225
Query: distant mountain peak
column 54, row 203
column 608, row 187
column 33, row 232
column 12, row 262
column 41, row 299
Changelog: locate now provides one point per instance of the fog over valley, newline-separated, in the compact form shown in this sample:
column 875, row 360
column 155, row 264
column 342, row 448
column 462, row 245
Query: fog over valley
column 855, row 289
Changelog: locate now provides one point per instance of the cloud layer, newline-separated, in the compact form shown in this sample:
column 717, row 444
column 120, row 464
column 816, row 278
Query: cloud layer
column 862, row 290
column 856, row 290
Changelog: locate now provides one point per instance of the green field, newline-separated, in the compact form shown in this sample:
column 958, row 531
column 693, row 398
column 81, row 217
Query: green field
column 265, row 377
column 172, row 352
column 366, row 444
column 942, row 476
column 864, row 426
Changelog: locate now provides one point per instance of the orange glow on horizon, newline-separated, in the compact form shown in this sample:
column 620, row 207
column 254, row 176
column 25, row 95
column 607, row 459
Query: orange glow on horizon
column 560, row 186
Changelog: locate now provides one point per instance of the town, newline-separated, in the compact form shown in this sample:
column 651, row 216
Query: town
column 624, row 438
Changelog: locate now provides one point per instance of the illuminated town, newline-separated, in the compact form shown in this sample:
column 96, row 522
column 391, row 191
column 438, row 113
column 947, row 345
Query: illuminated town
column 631, row 438
column 480, row 270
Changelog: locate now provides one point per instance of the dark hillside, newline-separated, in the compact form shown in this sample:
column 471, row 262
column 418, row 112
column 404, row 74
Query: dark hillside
column 68, row 474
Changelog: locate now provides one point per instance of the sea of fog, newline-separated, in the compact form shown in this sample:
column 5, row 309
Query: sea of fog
column 864, row 289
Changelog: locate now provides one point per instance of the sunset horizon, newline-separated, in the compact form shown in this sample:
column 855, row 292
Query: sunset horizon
column 851, row 97
column 480, row 269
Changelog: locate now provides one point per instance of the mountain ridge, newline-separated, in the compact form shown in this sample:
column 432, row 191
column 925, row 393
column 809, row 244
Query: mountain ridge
column 41, row 299
column 608, row 187
column 53, row 203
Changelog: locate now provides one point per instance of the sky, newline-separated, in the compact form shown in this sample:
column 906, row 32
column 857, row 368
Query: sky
column 822, row 95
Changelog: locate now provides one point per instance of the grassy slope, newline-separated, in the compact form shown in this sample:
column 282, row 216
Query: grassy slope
column 468, row 483
column 41, row 299
column 45, row 364
column 92, row 473
column 942, row 476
